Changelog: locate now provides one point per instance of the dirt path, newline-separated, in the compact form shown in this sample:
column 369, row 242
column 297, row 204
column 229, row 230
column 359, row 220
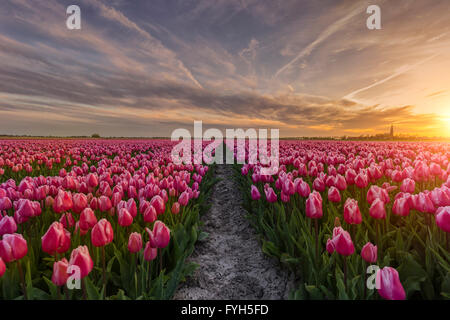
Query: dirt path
column 232, row 265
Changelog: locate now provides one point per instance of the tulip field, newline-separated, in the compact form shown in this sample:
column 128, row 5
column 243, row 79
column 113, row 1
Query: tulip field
column 117, row 216
column 117, row 219
column 336, row 207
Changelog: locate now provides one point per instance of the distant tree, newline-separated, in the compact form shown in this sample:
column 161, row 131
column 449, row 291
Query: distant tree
column 95, row 135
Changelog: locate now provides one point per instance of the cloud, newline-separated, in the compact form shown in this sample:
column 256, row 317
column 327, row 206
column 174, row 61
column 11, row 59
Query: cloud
column 146, row 67
column 329, row 31
column 400, row 71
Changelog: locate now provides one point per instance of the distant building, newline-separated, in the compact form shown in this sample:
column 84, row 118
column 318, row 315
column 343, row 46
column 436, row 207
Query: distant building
column 391, row 134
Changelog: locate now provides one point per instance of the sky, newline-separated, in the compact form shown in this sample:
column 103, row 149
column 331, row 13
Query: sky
column 144, row 68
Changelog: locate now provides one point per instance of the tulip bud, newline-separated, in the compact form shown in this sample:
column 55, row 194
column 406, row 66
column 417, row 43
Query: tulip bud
column 124, row 217
column 60, row 276
column 7, row 225
column 343, row 244
column 87, row 219
column 13, row 247
column 175, row 208
column 314, row 205
column 150, row 214
column 183, row 199
column 390, row 285
column 56, row 239
column 81, row 258
column 255, row 193
column 352, row 215
column 135, row 242
column 160, row 236
column 102, row 233
column 443, row 218
column 377, row 209
column 369, row 253
column 270, row 195
column 150, row 253
column 334, row 195
column 330, row 246
column 158, row 203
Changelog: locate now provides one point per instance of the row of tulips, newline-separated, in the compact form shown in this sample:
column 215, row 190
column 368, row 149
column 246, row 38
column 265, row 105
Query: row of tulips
column 393, row 200
column 93, row 219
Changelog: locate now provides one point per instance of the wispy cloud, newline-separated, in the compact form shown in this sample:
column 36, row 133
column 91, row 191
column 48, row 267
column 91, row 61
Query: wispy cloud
column 329, row 31
column 143, row 68
column 400, row 71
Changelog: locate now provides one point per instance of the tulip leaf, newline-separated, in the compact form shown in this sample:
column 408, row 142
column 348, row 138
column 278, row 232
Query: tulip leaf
column 92, row 292
column 52, row 287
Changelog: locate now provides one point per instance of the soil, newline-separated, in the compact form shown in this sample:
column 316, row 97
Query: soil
column 232, row 265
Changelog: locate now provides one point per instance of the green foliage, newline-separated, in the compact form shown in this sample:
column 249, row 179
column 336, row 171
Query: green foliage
column 407, row 244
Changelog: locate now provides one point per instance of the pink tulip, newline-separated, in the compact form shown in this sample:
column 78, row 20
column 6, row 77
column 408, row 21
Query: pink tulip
column 56, row 239
column 377, row 209
column 343, row 243
column 81, row 258
column 369, row 253
column 303, row 189
column 361, row 181
column 401, row 207
column 423, row 203
column 87, row 219
column 13, row 247
column 79, row 202
column 102, row 233
column 131, row 207
column 314, row 205
column 150, row 214
column 375, row 192
column 92, row 180
column 330, row 246
column 104, row 204
column 158, row 203
column 443, row 218
column 150, row 253
column 408, row 186
column 175, row 208
column 334, row 195
column 255, row 193
column 135, row 242
column 7, row 225
column 319, row 185
column 5, row 203
column 390, row 286
column 352, row 215
column 60, row 276
column 340, row 183
column 124, row 217
column 183, row 199
column 270, row 195
column 160, row 236
column 63, row 202
column 67, row 220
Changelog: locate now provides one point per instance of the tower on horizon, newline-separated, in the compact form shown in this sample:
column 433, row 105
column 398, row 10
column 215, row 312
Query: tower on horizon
column 392, row 131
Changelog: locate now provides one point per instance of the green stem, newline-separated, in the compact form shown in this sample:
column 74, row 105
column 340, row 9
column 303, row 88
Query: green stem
column 316, row 225
column 345, row 272
column 19, row 267
column 83, row 285
column 104, row 272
